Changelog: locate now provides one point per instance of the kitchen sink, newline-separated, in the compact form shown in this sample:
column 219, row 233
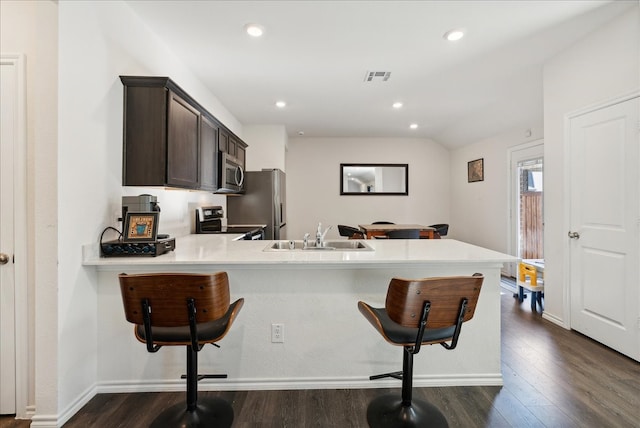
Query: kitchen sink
column 349, row 244
column 342, row 245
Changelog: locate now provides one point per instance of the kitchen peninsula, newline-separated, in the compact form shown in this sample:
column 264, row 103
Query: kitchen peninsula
column 327, row 342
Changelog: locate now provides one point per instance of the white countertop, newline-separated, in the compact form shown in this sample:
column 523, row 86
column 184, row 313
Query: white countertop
column 223, row 250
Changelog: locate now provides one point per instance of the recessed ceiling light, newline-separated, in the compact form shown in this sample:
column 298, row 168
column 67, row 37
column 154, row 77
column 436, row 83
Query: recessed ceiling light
column 281, row 104
column 254, row 30
column 397, row 104
column 453, row 35
column 413, row 126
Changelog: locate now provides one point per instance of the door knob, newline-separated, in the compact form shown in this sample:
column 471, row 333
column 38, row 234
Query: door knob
column 574, row 235
column 4, row 259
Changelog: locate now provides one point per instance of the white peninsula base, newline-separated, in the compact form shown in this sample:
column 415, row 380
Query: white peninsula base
column 327, row 342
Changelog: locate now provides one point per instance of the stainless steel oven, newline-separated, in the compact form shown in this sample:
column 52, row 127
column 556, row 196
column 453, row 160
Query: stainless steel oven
column 231, row 175
column 209, row 220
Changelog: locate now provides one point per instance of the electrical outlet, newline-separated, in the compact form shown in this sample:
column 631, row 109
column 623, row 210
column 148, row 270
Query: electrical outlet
column 277, row 333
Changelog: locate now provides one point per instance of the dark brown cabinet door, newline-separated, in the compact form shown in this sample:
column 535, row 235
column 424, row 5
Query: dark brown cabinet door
column 227, row 143
column 208, row 154
column 183, row 139
column 241, row 154
column 144, row 160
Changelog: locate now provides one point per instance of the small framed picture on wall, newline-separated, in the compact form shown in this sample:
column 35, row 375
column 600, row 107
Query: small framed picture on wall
column 475, row 170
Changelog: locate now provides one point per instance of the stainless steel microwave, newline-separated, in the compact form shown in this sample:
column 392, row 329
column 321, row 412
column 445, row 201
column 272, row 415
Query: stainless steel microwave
column 231, row 175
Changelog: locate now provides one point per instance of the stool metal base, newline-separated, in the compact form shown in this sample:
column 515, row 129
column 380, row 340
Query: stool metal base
column 209, row 412
column 387, row 411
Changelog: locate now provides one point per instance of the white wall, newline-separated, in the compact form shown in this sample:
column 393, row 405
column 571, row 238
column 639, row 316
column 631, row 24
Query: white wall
column 601, row 66
column 480, row 210
column 267, row 146
column 313, row 183
column 17, row 21
column 98, row 41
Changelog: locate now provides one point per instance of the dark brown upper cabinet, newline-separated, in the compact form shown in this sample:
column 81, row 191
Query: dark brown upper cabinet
column 183, row 143
column 224, row 142
column 240, row 150
column 233, row 146
column 169, row 139
column 208, row 154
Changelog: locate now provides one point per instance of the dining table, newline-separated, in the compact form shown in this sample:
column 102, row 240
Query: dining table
column 373, row 230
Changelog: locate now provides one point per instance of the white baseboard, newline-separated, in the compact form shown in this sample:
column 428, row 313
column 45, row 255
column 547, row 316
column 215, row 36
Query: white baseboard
column 163, row 385
column 288, row 384
column 554, row 319
column 30, row 411
column 55, row 421
column 44, row 421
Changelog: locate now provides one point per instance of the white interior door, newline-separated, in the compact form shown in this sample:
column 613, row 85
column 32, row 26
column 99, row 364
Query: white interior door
column 8, row 115
column 604, row 225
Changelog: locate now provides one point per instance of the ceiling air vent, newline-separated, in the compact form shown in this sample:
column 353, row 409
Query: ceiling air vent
column 377, row 76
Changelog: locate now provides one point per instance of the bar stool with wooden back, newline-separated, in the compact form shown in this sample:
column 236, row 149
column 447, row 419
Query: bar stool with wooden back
column 181, row 309
column 419, row 312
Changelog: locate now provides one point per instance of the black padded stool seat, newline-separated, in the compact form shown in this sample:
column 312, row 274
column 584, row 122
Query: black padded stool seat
column 208, row 332
column 398, row 334
column 418, row 312
column 187, row 310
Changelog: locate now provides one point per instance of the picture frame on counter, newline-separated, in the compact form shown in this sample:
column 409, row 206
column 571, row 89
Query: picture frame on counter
column 140, row 227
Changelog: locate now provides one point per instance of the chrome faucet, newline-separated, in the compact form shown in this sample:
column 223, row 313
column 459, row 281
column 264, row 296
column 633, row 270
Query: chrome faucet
column 320, row 235
column 305, row 240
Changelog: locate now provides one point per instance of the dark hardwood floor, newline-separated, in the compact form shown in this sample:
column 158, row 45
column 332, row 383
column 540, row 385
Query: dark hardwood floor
column 552, row 378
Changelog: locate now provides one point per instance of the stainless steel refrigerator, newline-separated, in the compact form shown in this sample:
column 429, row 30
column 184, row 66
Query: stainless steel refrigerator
column 264, row 202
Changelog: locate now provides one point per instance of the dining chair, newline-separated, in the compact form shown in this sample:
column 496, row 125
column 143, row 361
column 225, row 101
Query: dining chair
column 441, row 229
column 350, row 232
column 404, row 234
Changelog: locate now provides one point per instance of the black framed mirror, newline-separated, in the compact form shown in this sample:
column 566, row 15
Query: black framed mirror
column 374, row 179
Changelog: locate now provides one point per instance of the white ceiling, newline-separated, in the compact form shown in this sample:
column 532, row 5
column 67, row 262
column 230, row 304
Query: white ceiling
column 315, row 54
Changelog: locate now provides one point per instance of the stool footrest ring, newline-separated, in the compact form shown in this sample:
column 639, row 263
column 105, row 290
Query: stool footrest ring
column 207, row 376
column 395, row 375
